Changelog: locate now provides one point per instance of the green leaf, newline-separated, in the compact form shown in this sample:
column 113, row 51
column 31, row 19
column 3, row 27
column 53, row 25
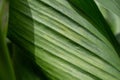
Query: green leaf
column 111, row 5
column 6, row 69
column 25, row 68
column 111, row 12
column 91, row 12
column 118, row 37
column 67, row 45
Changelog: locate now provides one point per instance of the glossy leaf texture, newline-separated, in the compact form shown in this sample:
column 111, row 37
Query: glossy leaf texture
column 66, row 44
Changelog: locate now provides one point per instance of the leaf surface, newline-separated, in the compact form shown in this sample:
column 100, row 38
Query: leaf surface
column 65, row 44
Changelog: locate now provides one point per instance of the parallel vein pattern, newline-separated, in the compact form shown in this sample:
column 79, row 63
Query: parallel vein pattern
column 66, row 46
